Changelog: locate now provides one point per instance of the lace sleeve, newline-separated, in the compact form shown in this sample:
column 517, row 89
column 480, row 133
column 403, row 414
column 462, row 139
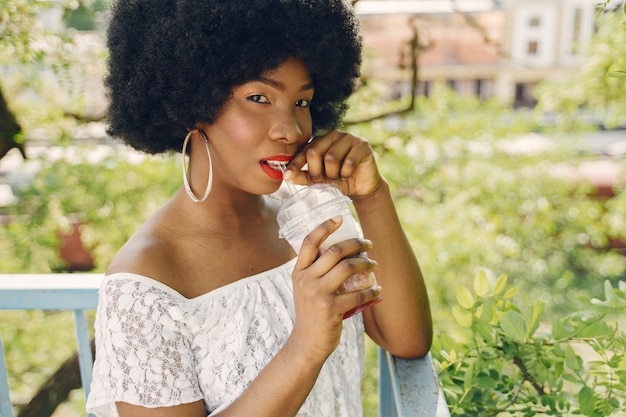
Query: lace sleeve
column 143, row 353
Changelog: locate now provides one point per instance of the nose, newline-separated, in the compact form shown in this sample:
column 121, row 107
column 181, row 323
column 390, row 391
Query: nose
column 286, row 126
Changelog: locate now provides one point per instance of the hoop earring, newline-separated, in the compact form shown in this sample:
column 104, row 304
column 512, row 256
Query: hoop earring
column 209, row 185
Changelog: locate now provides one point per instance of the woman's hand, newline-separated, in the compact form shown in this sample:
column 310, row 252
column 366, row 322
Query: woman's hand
column 338, row 158
column 316, row 281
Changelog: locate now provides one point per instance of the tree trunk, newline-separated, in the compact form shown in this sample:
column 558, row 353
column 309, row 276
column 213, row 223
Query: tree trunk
column 55, row 390
column 9, row 128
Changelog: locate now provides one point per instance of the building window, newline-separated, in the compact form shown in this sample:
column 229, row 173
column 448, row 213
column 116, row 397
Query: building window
column 520, row 94
column 524, row 95
column 532, row 48
column 534, row 22
column 478, row 87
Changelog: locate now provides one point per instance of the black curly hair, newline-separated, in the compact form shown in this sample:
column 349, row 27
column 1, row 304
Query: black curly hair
column 174, row 63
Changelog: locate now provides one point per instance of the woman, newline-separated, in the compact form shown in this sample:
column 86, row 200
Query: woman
column 205, row 311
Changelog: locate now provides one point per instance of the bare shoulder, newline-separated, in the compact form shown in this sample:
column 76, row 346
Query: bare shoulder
column 145, row 253
column 154, row 249
column 164, row 253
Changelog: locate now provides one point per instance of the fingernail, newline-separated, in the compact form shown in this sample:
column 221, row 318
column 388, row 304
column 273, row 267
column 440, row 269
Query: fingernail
column 288, row 174
column 336, row 219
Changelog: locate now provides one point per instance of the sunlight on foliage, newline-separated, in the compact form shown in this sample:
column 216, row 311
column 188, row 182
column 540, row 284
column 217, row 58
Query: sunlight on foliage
column 500, row 358
column 111, row 199
column 599, row 87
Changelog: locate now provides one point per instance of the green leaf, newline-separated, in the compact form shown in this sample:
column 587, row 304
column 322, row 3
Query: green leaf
column 500, row 284
column 573, row 361
column 468, row 379
column 615, row 361
column 587, row 401
column 609, row 293
column 484, row 329
column 571, row 378
column 463, row 318
column 617, row 74
column 511, row 292
column 481, row 283
column 531, row 317
column 513, row 325
column 464, row 297
column 595, row 329
column 485, row 382
column 486, row 311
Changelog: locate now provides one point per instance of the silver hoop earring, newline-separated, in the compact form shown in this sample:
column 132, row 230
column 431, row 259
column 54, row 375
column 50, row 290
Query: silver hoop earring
column 209, row 185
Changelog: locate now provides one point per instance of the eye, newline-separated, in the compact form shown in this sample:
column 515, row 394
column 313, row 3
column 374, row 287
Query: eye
column 258, row 98
column 303, row 103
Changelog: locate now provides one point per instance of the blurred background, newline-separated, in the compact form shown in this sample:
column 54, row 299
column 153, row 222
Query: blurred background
column 500, row 125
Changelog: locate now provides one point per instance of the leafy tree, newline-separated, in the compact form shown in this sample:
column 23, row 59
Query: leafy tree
column 501, row 358
column 110, row 198
column 599, row 85
column 476, row 186
column 45, row 70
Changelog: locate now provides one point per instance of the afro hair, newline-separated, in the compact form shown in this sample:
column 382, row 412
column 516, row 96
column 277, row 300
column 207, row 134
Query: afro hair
column 174, row 63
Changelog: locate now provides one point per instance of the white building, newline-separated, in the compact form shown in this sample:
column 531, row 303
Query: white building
column 487, row 47
column 543, row 38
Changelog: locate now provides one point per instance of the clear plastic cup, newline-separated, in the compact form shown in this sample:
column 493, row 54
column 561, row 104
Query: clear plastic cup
column 309, row 207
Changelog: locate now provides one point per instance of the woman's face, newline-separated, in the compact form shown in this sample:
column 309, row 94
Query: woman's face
column 264, row 122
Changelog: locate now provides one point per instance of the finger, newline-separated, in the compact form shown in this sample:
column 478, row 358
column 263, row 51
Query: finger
column 347, row 301
column 332, row 145
column 351, row 266
column 295, row 171
column 335, row 156
column 310, row 249
column 358, row 153
column 341, row 153
column 333, row 254
column 314, row 154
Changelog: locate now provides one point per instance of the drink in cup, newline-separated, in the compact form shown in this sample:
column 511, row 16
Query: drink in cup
column 309, row 207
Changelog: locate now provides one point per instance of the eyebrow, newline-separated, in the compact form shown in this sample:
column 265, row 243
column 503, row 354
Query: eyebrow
column 281, row 86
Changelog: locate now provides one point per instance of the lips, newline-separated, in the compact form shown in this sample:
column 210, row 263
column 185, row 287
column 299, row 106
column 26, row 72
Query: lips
column 273, row 164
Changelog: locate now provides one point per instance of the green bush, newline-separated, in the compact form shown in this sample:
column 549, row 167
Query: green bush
column 475, row 189
column 502, row 359
column 479, row 188
column 111, row 198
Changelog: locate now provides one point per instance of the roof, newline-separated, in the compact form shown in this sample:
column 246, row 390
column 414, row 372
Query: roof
column 379, row 7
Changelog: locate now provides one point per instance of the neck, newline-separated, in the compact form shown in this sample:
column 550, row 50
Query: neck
column 232, row 215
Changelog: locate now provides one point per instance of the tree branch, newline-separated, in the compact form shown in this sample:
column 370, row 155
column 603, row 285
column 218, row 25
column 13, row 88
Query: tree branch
column 415, row 49
column 474, row 24
column 527, row 376
column 9, row 129
column 55, row 390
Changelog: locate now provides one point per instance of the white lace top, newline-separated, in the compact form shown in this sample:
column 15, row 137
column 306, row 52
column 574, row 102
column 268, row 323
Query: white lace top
column 156, row 348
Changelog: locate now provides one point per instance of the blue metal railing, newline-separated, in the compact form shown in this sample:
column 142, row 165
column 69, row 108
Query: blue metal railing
column 407, row 388
column 75, row 292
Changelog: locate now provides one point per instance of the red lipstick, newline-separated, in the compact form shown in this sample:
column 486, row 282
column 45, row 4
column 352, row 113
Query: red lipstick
column 271, row 165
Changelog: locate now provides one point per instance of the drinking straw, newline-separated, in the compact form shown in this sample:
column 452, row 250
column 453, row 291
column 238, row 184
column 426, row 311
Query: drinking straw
column 290, row 186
